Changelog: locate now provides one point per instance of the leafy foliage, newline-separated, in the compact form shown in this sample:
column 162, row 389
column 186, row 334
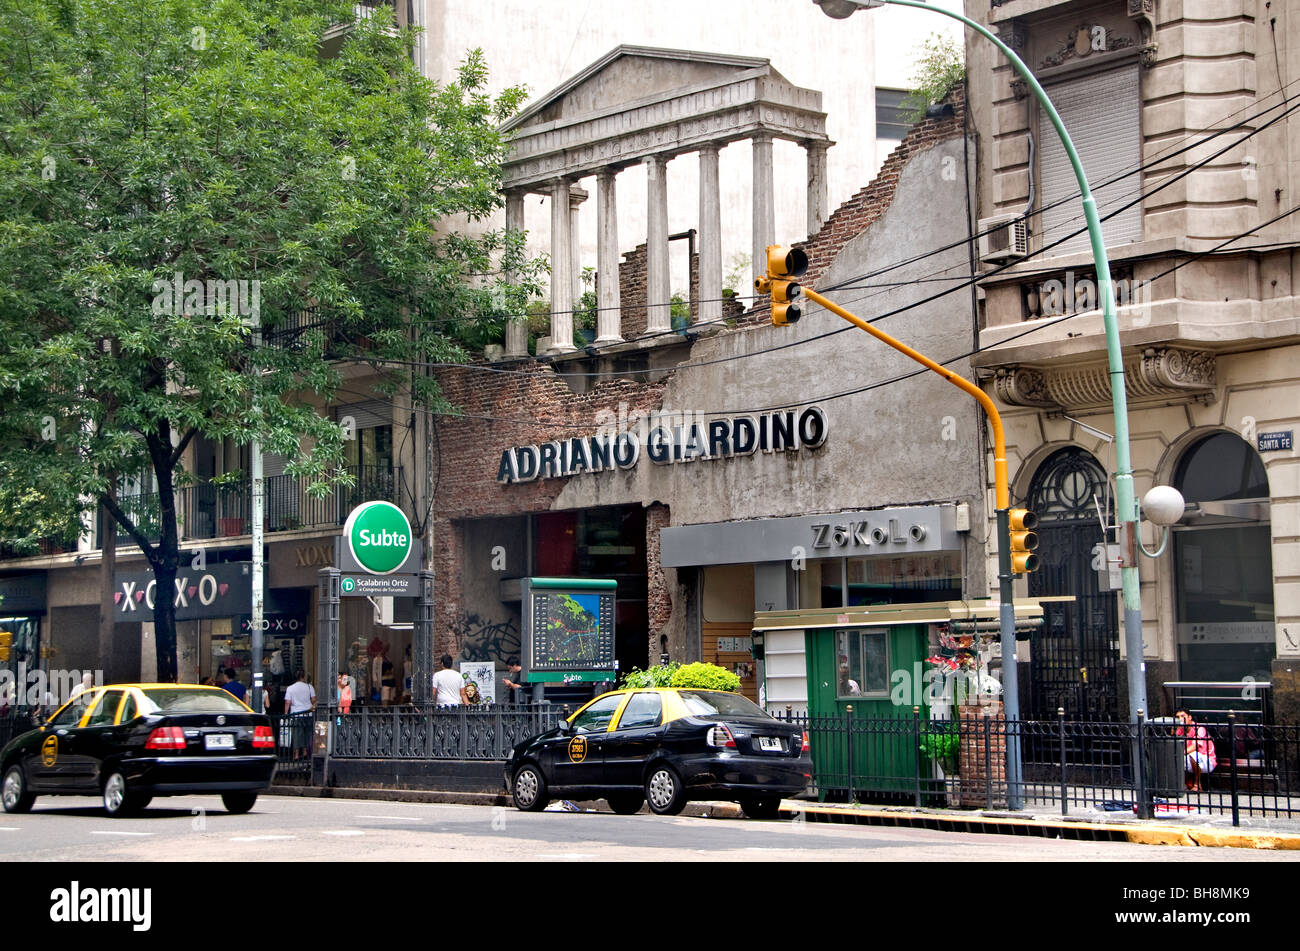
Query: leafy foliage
column 940, row 67
column 145, row 166
column 660, row 675
column 705, row 676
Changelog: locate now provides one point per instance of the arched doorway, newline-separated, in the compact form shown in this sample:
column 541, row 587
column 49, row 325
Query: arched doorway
column 1076, row 654
column 1223, row 561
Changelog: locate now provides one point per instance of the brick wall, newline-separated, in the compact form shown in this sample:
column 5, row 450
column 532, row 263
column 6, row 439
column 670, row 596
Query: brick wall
column 858, row 213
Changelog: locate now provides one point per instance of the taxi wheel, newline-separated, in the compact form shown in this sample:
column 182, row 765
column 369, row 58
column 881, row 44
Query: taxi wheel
column 118, row 800
column 238, row 803
column 530, row 789
column 626, row 804
column 664, row 791
column 761, row 807
column 15, row 794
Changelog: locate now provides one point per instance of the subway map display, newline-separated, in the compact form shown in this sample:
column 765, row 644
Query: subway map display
column 572, row 630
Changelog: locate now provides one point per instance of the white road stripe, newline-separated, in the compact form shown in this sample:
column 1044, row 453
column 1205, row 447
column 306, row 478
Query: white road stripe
column 261, row 838
column 116, row 832
column 402, row 818
column 570, row 856
column 10, row 829
column 342, row 832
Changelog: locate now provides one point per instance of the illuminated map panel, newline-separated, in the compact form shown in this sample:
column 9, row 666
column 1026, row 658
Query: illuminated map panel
column 571, row 626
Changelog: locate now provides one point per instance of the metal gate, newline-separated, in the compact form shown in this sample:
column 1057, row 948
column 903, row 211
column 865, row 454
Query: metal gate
column 1075, row 655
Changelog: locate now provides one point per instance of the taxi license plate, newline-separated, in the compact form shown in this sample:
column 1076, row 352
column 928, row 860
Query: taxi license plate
column 771, row 744
column 219, row 741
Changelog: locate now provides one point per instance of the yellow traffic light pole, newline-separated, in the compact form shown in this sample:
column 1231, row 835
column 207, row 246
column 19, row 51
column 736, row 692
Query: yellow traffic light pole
column 783, row 265
column 999, row 438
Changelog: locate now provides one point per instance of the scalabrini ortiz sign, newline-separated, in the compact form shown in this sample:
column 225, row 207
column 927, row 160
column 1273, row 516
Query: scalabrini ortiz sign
column 787, row 431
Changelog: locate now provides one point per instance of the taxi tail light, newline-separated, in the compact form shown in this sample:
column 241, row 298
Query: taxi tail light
column 166, row 738
column 721, row 736
column 806, row 746
column 263, row 738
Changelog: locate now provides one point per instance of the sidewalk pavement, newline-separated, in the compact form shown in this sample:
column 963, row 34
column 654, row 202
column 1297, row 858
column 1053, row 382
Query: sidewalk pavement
column 1211, row 831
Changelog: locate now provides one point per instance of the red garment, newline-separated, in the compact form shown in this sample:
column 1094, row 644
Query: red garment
column 1198, row 743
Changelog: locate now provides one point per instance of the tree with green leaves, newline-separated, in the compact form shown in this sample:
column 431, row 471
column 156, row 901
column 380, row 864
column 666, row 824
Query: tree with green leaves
column 174, row 171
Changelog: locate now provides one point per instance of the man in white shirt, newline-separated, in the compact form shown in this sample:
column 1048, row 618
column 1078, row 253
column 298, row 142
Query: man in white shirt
column 448, row 685
column 300, row 698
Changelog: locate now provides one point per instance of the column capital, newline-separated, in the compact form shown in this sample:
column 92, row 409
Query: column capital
column 576, row 196
column 712, row 148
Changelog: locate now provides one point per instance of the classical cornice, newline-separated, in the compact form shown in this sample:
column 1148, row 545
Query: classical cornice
column 1156, row 372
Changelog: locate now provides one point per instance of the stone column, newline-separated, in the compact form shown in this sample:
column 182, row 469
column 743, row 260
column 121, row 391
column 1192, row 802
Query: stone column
column 710, row 237
column 608, row 319
column 764, row 207
column 516, row 327
column 561, row 268
column 658, row 279
column 818, row 199
column 576, row 197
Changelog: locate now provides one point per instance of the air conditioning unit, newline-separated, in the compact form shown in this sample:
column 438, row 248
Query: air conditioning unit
column 1003, row 238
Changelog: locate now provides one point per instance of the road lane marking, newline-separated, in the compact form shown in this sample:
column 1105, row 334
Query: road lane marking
column 261, row 838
column 10, row 829
column 116, row 832
column 567, row 856
column 342, row 832
column 402, row 818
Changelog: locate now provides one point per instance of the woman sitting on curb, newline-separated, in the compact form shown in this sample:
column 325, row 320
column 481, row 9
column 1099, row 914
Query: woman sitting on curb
column 1200, row 751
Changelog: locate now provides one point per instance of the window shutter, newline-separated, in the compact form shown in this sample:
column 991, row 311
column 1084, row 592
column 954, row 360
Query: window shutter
column 1102, row 112
column 368, row 415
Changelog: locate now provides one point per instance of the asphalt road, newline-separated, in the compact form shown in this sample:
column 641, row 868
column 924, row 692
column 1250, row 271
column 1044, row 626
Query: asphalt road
column 197, row 829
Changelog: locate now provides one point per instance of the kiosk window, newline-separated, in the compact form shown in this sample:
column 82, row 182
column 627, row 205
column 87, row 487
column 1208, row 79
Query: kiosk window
column 862, row 663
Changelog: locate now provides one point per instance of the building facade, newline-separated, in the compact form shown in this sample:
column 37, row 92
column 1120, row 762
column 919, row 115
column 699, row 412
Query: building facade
column 1181, row 113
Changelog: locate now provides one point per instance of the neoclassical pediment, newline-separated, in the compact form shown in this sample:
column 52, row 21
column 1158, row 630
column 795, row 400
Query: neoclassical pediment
column 639, row 101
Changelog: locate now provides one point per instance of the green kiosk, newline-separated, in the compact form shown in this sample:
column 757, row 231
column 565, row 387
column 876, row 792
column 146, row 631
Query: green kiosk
column 876, row 680
column 568, row 632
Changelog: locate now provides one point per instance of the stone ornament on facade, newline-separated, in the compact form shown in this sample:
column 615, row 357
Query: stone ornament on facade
column 1083, row 41
column 1168, row 372
column 1144, row 13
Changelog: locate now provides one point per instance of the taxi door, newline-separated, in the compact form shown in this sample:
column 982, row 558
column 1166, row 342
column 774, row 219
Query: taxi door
column 635, row 737
column 94, row 741
column 579, row 759
column 51, row 764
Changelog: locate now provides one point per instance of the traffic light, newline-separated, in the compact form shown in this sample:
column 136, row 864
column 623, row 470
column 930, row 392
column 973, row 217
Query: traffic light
column 1021, row 524
column 6, row 644
column 783, row 264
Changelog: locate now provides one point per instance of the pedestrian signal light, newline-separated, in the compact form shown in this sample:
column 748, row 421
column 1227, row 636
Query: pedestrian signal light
column 783, row 264
column 1023, row 540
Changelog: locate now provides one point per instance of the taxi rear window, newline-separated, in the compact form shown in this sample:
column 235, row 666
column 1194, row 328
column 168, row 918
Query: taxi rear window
column 189, row 701
column 708, row 704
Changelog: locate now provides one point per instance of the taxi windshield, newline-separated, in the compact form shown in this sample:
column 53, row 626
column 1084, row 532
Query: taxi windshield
column 701, row 703
column 173, row 700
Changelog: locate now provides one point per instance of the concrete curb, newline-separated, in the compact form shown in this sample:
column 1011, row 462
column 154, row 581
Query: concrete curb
column 1139, row 832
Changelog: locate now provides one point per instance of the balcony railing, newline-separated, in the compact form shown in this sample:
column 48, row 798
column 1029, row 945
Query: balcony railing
column 208, row 510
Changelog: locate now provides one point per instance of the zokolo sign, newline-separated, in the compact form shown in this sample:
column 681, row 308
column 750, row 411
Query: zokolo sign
column 379, row 537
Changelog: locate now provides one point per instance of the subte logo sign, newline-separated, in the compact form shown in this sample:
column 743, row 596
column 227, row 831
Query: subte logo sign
column 378, row 537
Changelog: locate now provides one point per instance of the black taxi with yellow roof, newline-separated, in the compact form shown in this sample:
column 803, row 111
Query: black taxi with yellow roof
column 130, row 742
column 664, row 747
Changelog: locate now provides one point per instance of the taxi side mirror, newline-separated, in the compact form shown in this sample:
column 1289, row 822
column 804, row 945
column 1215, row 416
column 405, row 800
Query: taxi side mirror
column 564, row 726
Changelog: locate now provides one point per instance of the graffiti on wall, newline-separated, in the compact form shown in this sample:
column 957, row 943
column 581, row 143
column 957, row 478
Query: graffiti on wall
column 482, row 639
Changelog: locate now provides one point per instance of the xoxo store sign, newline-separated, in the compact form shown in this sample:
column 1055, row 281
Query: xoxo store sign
column 221, row 590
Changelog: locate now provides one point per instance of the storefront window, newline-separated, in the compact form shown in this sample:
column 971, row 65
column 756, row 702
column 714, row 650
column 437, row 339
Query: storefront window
column 862, row 657
column 884, row 580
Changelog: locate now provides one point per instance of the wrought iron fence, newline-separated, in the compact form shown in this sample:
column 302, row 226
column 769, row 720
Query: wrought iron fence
column 1109, row 766
column 293, row 734
column 487, row 732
